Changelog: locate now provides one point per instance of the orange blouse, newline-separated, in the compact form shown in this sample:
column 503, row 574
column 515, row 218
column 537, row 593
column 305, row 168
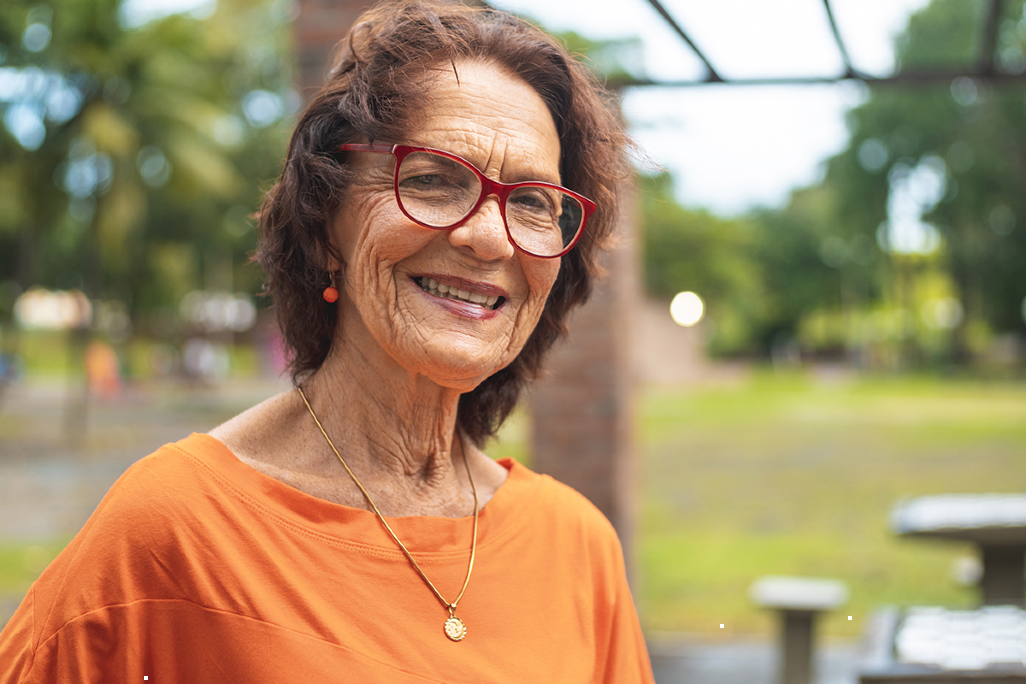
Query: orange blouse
column 196, row 568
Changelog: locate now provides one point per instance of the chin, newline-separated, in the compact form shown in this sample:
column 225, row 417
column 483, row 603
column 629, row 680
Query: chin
column 462, row 378
column 462, row 370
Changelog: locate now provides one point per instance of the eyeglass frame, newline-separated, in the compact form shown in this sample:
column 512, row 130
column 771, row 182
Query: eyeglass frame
column 488, row 187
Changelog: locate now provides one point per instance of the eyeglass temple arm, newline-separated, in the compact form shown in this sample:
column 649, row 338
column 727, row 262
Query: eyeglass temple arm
column 359, row 147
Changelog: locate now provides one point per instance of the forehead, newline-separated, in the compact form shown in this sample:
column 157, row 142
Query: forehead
column 490, row 118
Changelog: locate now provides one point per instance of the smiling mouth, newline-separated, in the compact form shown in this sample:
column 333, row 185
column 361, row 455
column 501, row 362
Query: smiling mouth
column 433, row 287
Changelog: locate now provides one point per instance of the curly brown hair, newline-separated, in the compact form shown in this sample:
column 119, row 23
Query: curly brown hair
column 373, row 91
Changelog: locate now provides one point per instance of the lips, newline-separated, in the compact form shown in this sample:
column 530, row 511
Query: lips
column 449, row 287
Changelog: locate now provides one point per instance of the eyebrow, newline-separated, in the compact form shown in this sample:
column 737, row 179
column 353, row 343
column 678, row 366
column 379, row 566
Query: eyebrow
column 541, row 178
column 532, row 175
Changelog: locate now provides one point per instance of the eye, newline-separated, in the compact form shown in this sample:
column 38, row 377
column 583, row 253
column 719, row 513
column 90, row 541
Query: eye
column 433, row 182
column 424, row 171
column 426, row 180
column 533, row 199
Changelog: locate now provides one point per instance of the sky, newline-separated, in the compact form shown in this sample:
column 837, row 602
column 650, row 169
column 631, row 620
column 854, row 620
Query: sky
column 732, row 148
column 729, row 148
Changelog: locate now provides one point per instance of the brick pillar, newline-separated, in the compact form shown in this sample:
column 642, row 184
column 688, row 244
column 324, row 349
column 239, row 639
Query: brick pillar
column 582, row 411
column 318, row 28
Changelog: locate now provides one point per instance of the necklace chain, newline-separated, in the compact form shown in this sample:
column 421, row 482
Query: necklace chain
column 451, row 607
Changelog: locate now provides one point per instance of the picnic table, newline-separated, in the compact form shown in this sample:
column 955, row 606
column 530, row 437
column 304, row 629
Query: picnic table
column 939, row 645
column 995, row 523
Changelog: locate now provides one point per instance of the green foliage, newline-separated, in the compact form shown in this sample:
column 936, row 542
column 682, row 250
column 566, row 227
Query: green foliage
column 160, row 124
column 814, row 272
column 944, row 34
column 610, row 60
column 713, row 257
column 796, row 242
column 691, row 250
column 759, row 275
column 978, row 129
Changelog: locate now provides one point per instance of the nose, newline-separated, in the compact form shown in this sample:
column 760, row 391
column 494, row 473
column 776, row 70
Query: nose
column 484, row 233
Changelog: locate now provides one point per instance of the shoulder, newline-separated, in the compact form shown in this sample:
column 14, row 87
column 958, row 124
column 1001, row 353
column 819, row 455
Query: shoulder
column 171, row 479
column 172, row 487
column 558, row 510
column 129, row 549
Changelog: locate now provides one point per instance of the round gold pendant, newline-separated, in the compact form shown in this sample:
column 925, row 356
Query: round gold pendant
column 455, row 629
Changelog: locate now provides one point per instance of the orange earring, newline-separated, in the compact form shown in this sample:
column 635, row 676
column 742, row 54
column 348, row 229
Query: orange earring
column 330, row 292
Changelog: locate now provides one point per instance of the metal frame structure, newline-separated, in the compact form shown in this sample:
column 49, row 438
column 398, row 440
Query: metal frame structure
column 985, row 68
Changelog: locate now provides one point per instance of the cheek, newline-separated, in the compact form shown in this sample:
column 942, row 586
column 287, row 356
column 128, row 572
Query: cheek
column 351, row 229
column 375, row 239
column 367, row 205
column 541, row 276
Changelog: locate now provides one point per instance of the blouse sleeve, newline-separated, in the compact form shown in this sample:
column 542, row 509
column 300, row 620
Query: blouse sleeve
column 16, row 644
column 622, row 656
column 63, row 630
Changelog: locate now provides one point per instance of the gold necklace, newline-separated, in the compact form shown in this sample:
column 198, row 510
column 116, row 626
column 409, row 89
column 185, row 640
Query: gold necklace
column 454, row 627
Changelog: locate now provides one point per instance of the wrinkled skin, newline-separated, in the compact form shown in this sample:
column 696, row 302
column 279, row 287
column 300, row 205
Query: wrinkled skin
column 501, row 125
column 388, row 392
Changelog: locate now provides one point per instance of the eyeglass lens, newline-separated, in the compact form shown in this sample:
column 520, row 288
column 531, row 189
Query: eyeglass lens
column 440, row 192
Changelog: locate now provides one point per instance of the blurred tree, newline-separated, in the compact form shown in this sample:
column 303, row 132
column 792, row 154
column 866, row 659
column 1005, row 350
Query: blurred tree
column 970, row 138
column 133, row 150
column 683, row 249
column 612, row 60
column 759, row 276
column 809, row 262
column 713, row 257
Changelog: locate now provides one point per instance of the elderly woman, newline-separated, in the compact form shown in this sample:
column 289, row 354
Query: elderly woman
column 438, row 216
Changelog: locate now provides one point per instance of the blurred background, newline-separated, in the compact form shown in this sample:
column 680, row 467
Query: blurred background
column 844, row 259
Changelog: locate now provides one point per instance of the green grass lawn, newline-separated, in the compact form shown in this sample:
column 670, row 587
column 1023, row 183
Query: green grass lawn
column 784, row 475
column 21, row 563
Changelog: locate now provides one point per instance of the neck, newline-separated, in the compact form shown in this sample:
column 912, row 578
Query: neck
column 395, row 430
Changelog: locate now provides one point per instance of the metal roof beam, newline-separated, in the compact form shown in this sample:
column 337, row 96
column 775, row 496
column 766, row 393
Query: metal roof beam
column 907, row 78
column 849, row 70
column 712, row 77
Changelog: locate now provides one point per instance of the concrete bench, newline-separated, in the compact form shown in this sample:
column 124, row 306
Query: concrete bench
column 798, row 600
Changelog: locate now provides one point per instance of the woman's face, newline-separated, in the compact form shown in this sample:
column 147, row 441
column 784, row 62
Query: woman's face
column 501, row 125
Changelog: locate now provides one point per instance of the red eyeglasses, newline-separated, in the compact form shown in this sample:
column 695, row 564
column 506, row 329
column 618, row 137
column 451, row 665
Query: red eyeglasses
column 439, row 190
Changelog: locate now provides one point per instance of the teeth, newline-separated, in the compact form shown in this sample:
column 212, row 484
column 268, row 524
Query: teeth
column 442, row 290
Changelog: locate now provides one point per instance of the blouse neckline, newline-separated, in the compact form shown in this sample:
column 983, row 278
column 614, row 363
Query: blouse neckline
column 427, row 535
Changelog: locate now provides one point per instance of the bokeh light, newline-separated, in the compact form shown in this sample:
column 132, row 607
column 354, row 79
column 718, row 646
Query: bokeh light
column 914, row 192
column 944, row 312
column 219, row 311
column 41, row 309
column 687, row 309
